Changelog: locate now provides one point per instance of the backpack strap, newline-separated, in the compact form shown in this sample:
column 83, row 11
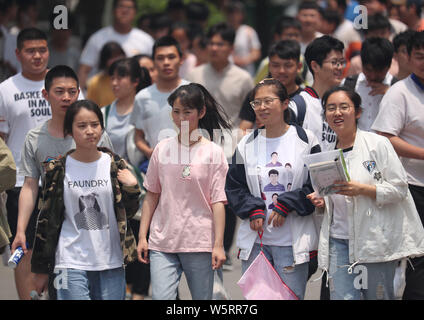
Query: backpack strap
column 301, row 109
column 350, row 82
column 301, row 133
column 107, row 111
column 394, row 80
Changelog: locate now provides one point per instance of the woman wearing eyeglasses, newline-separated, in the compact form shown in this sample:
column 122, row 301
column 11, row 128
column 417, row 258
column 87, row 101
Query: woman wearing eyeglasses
column 289, row 233
column 370, row 223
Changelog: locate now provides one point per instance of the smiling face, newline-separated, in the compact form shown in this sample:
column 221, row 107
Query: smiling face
column 340, row 113
column 62, row 93
column 327, row 73
column 86, row 129
column 271, row 114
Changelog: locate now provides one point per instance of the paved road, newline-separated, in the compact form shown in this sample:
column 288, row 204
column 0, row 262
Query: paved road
column 8, row 290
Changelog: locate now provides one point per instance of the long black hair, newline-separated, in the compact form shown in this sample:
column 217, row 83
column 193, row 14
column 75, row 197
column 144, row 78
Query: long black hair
column 195, row 96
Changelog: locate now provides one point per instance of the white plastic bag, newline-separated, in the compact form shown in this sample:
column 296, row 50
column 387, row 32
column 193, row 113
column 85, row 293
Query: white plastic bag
column 219, row 292
column 262, row 282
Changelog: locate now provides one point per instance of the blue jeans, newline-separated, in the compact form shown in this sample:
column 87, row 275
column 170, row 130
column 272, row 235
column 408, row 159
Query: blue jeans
column 373, row 280
column 295, row 277
column 91, row 285
column 166, row 270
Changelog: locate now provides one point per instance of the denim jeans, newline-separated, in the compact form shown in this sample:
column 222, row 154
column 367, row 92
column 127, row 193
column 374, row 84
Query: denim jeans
column 166, row 270
column 373, row 280
column 91, row 285
column 294, row 276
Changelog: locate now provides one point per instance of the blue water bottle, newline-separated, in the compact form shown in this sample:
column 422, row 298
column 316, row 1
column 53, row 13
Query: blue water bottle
column 16, row 257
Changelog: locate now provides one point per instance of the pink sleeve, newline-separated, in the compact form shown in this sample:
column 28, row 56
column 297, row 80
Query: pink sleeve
column 218, row 180
column 152, row 180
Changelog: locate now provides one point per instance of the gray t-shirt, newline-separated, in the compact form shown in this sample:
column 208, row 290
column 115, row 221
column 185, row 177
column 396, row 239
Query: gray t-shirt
column 152, row 114
column 40, row 147
column 117, row 127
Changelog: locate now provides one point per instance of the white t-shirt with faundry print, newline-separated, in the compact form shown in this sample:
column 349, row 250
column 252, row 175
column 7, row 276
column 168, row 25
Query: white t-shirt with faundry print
column 23, row 108
column 89, row 239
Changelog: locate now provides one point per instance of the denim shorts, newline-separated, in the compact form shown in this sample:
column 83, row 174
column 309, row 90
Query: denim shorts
column 294, row 276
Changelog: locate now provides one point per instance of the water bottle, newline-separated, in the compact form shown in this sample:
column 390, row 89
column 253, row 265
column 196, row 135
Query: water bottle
column 16, row 257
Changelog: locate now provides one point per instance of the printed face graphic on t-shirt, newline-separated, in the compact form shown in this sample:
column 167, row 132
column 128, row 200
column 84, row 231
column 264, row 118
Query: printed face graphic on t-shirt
column 274, row 161
column 90, row 216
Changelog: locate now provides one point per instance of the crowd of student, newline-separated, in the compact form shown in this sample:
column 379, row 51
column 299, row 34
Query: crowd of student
column 144, row 153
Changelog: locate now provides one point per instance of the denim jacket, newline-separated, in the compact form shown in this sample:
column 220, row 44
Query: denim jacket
column 52, row 213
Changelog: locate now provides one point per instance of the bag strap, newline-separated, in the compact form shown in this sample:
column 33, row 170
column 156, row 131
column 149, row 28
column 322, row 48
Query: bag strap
column 301, row 109
column 260, row 237
column 350, row 82
column 107, row 110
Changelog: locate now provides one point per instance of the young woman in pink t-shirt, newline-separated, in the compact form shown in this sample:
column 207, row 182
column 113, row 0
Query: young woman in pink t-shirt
column 184, row 205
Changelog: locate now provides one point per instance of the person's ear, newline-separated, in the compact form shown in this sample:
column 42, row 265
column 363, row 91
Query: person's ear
column 315, row 66
column 202, row 113
column 358, row 113
column 45, row 94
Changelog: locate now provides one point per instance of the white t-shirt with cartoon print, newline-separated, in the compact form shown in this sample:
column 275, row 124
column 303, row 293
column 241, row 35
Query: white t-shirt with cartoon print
column 89, row 239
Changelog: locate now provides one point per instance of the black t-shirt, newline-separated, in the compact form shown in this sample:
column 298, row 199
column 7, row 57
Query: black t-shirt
column 248, row 114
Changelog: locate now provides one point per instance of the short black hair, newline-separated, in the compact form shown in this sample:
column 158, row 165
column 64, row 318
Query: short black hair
column 377, row 22
column 285, row 49
column 115, row 3
column 166, row 41
column 273, row 171
column 331, row 16
column 402, row 39
column 308, row 4
column 226, row 32
column 184, row 26
column 109, row 50
column 59, row 71
column 29, row 34
column 318, row 49
column 377, row 52
column 416, row 41
column 74, row 108
column 285, row 22
column 197, row 12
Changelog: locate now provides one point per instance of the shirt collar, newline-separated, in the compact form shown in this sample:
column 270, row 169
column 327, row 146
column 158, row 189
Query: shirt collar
column 417, row 81
column 387, row 79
